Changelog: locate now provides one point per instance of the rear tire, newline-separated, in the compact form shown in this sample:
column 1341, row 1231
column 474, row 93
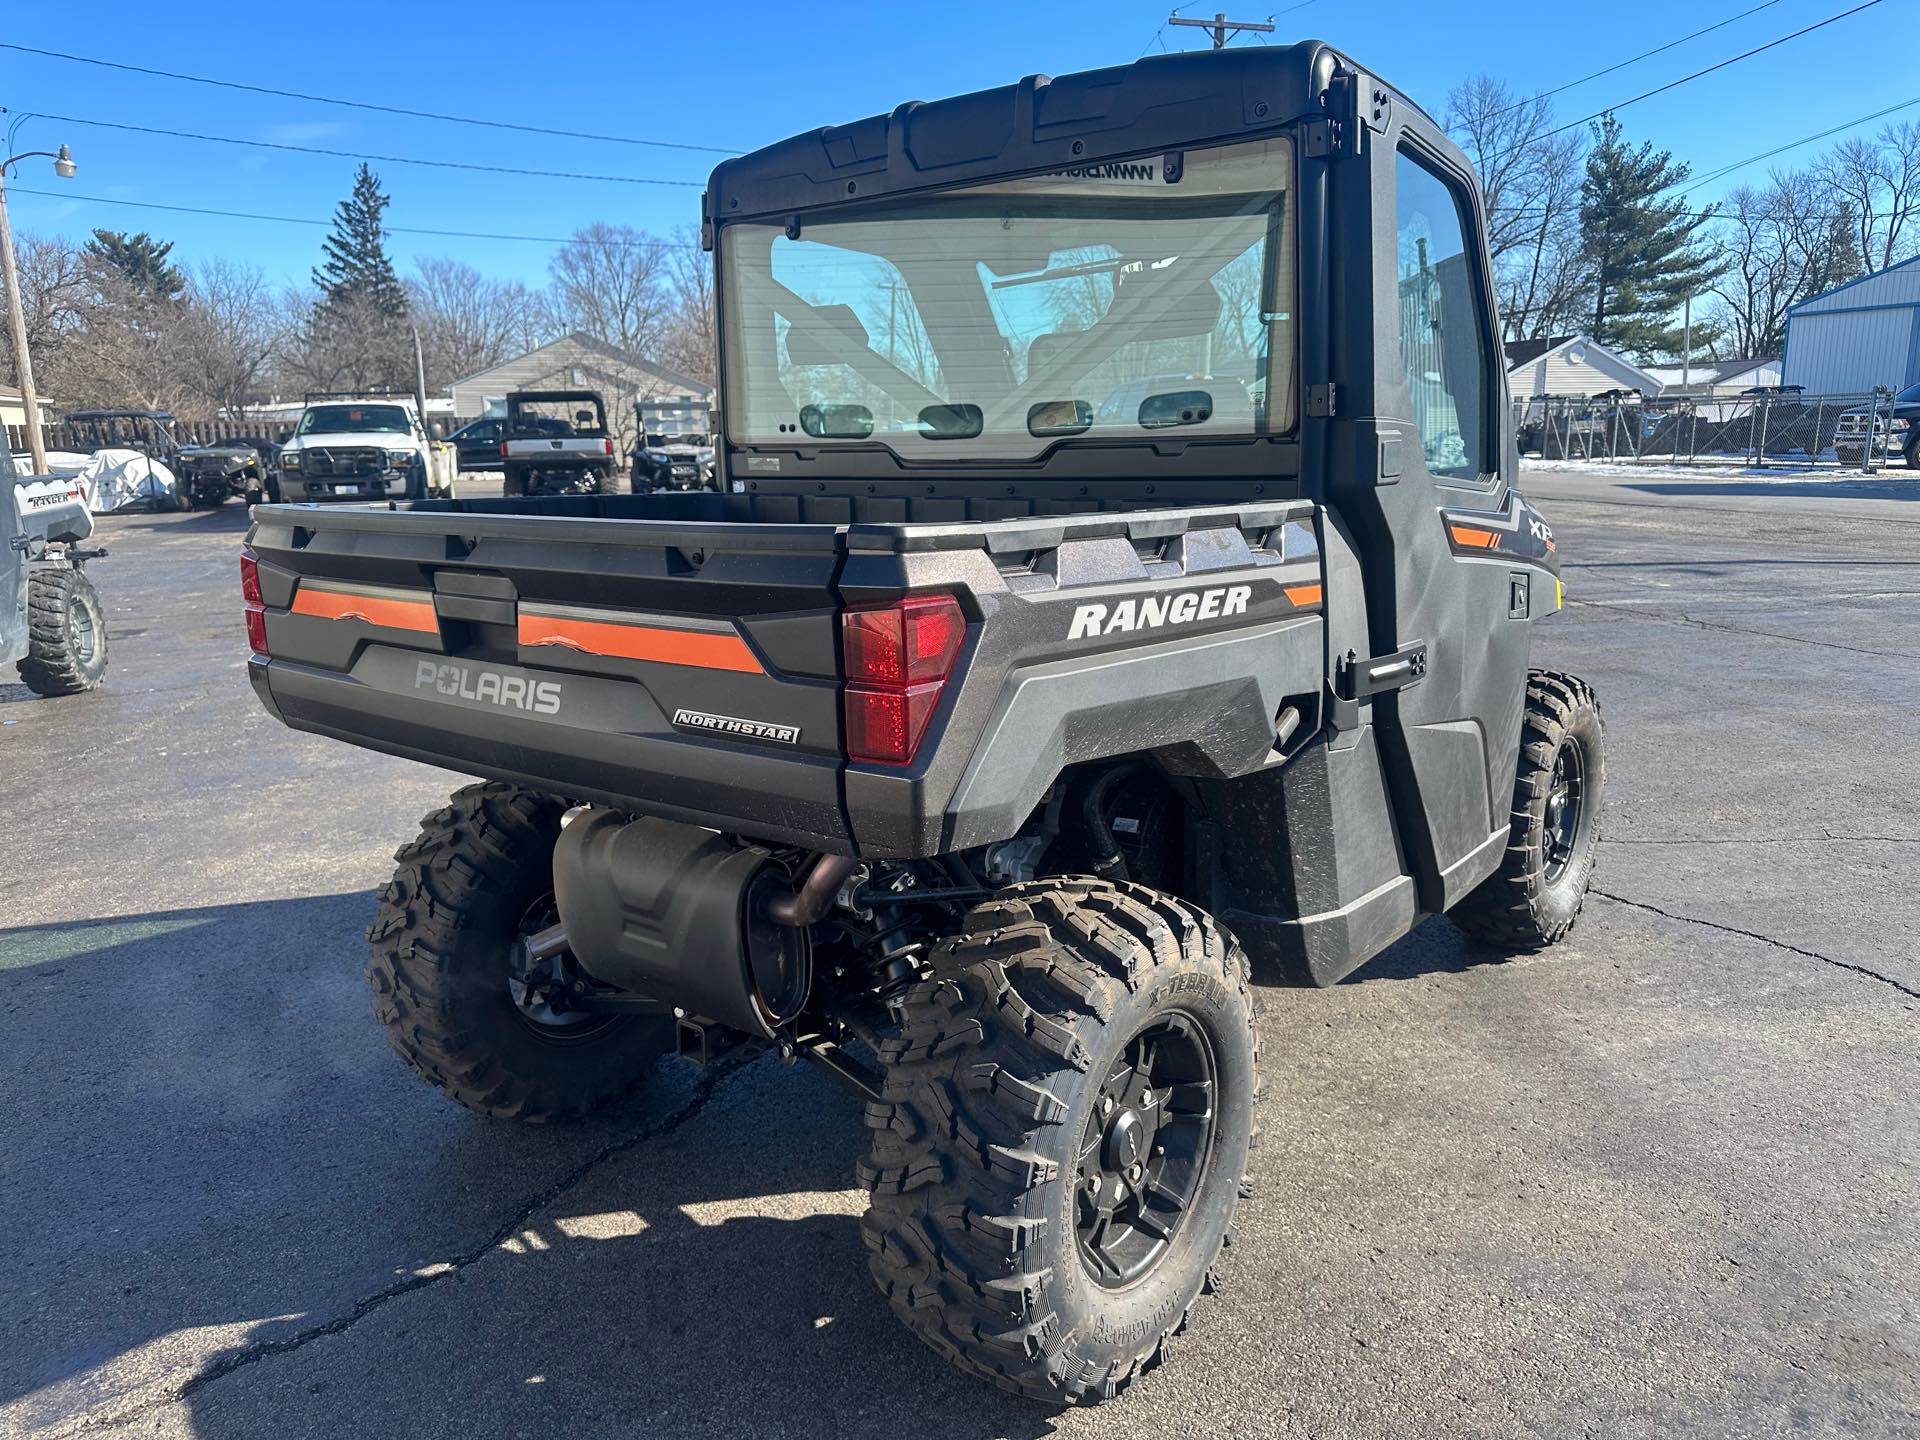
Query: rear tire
column 606, row 482
column 995, row 1144
column 479, row 875
column 1535, row 896
column 66, row 633
column 513, row 484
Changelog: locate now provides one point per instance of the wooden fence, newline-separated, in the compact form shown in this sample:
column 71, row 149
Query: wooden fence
column 188, row 432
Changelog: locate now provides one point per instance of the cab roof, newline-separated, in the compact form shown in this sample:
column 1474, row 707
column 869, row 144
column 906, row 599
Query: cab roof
column 1179, row 100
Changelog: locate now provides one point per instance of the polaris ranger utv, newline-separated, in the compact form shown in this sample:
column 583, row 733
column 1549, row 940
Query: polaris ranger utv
column 53, row 629
column 977, row 733
column 556, row 442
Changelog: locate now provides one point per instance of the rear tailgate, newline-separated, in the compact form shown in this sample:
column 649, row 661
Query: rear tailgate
column 686, row 669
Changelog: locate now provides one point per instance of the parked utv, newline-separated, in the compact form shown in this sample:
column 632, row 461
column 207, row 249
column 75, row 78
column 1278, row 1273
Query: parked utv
column 676, row 445
column 211, row 474
column 969, row 742
column 151, row 432
column 53, row 629
column 557, row 443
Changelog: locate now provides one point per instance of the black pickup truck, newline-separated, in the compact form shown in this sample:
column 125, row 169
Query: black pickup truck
column 1115, row 577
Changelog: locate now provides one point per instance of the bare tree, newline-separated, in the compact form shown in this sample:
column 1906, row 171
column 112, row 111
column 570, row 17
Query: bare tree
column 1781, row 245
column 611, row 282
column 1531, row 181
column 1878, row 181
column 231, row 331
column 468, row 321
column 688, row 342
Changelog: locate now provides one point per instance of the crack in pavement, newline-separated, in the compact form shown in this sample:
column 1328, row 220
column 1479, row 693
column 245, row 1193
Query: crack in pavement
column 1763, row 939
column 1685, row 619
column 704, row 1090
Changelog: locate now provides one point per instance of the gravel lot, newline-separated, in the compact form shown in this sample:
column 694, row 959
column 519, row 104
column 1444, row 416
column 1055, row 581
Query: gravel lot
column 1661, row 1180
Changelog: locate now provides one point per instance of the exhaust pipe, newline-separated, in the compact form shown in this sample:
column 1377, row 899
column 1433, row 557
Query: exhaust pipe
column 809, row 904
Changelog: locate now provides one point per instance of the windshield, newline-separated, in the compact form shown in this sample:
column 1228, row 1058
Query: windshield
column 336, row 419
column 1115, row 302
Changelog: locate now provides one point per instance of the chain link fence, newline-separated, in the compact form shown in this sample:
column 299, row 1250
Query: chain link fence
column 1857, row 431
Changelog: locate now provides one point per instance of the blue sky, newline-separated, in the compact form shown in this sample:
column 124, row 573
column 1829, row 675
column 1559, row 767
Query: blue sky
column 744, row 74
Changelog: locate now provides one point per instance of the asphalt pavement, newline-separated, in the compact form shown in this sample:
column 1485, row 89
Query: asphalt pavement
column 1660, row 1180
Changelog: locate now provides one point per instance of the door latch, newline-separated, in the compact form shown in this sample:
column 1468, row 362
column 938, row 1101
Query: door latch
column 1362, row 679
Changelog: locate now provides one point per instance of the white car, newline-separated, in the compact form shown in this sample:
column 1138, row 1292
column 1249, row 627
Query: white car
column 354, row 449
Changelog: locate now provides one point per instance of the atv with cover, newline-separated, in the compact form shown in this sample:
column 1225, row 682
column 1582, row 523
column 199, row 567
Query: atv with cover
column 53, row 628
column 1115, row 591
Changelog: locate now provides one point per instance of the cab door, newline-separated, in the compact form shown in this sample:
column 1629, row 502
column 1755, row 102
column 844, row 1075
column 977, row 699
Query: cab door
column 1420, row 409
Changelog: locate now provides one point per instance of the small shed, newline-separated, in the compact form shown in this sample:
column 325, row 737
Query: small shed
column 579, row 362
column 1858, row 335
column 1572, row 365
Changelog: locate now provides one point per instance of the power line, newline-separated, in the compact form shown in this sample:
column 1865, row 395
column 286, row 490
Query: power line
column 649, row 243
column 1726, row 170
column 366, row 104
column 356, row 155
column 1688, row 79
column 1643, row 55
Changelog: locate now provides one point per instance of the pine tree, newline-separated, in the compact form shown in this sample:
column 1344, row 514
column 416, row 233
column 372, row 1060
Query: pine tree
column 1640, row 250
column 356, row 270
column 139, row 260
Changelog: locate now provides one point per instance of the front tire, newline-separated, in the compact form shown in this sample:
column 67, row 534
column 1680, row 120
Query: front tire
column 66, row 633
column 1063, row 1135
column 1535, row 896
column 444, row 968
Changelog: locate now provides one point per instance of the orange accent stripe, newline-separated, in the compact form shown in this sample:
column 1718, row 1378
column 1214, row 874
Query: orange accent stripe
column 641, row 642
column 1304, row 594
column 1476, row 539
column 373, row 609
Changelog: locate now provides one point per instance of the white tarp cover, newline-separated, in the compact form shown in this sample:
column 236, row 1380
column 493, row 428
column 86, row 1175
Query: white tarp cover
column 123, row 479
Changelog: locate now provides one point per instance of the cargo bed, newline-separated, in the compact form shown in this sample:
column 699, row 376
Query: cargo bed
column 679, row 654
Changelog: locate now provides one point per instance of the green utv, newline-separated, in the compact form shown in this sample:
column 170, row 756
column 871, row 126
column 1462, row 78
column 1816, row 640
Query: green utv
column 1115, row 590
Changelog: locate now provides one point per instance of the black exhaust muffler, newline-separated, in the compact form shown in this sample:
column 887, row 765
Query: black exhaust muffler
column 684, row 916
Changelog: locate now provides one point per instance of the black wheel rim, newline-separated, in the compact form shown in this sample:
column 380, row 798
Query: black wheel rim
column 540, row 991
column 1145, row 1151
column 1566, row 804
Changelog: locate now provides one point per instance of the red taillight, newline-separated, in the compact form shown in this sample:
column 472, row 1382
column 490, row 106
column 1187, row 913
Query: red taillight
column 609, row 447
column 256, row 602
column 503, row 449
column 898, row 659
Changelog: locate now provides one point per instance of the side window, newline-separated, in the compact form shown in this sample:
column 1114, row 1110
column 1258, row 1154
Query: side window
column 1443, row 337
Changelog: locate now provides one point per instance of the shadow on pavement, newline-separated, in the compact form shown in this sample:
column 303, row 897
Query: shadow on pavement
column 242, row 1166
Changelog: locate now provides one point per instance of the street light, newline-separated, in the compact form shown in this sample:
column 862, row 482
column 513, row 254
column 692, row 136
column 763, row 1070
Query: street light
column 64, row 167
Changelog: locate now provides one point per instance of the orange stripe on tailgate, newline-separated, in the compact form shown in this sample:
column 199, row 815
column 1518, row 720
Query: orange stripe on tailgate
column 641, row 642
column 1475, row 539
column 1304, row 594
column 373, row 609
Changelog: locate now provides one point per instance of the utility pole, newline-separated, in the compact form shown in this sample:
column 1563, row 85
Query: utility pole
column 1686, row 346
column 16, row 310
column 1222, row 27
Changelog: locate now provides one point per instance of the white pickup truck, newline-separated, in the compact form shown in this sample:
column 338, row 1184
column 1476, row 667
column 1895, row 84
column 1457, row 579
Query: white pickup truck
column 348, row 447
